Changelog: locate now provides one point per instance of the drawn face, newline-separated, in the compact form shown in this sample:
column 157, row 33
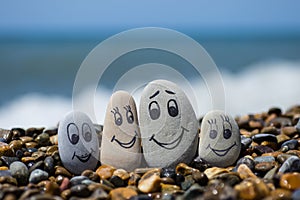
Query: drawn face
column 167, row 120
column 78, row 143
column 121, row 135
column 220, row 139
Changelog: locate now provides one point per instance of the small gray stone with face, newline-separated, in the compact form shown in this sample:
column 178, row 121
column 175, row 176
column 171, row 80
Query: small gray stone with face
column 168, row 125
column 121, row 139
column 78, row 142
column 220, row 141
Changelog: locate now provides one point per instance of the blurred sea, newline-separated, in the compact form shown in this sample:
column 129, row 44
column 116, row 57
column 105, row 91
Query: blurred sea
column 38, row 72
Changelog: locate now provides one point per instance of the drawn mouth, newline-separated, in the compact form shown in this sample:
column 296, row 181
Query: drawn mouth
column 170, row 145
column 126, row 145
column 221, row 152
column 84, row 157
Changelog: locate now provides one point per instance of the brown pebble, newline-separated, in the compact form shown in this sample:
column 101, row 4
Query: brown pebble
column 133, row 179
column 8, row 179
column 66, row 194
column 245, row 172
column 5, row 150
column 184, row 169
column 26, row 139
column 93, row 176
column 54, row 140
column 289, row 130
column 27, row 159
column 290, row 181
column 122, row 193
column 213, row 171
column 264, row 166
column 256, row 124
column 62, row 171
column 282, row 138
column 150, row 181
column 142, row 171
column 252, row 188
column 167, row 180
column 281, row 194
column 170, row 189
column 51, row 149
column 123, row 174
column 31, row 144
column 94, row 186
column 3, row 168
column 105, row 171
column 52, row 188
column 270, row 129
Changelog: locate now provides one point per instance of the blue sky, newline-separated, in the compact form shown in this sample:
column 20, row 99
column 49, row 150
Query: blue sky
column 59, row 15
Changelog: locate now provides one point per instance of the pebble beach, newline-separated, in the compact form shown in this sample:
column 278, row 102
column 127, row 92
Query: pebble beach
column 268, row 167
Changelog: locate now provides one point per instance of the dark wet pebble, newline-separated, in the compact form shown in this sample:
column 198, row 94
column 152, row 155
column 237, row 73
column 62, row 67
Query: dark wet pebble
column 19, row 153
column 193, row 193
column 3, row 140
column 38, row 175
column 80, row 190
column 77, row 180
column 43, row 139
column 17, row 132
column 229, row 178
column 247, row 161
column 141, row 197
column 168, row 172
column 200, row 178
column 187, row 183
column 179, row 179
column 20, row 172
column 199, row 163
column 258, row 138
column 32, row 150
column 296, row 195
column 8, row 160
column 117, row 181
column 290, row 145
column 49, row 164
column 275, row 110
column 292, row 164
column 260, row 159
column 261, row 149
column 36, row 165
column 246, row 141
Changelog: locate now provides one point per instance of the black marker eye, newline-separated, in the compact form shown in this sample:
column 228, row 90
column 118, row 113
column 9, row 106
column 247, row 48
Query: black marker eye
column 86, row 132
column 213, row 134
column 227, row 133
column 154, row 110
column 172, row 108
column 129, row 114
column 117, row 116
column 73, row 133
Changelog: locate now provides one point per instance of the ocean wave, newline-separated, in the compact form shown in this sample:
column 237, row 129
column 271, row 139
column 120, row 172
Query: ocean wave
column 255, row 89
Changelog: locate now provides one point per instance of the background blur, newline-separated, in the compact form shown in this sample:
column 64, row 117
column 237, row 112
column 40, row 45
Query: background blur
column 256, row 46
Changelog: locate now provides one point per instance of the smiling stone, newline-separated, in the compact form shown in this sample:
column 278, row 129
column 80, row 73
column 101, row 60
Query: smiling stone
column 121, row 143
column 168, row 125
column 78, row 142
column 220, row 142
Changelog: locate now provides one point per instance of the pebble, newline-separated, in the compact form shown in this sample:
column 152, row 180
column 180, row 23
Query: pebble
column 258, row 138
column 280, row 193
column 76, row 180
column 252, row 188
column 245, row 172
column 19, row 171
column 264, row 159
column 123, row 174
column 214, row 171
column 38, row 175
column 290, row 181
column 220, row 142
column 8, row 160
column 150, row 182
column 247, row 160
column 290, row 145
column 122, row 193
column 43, row 139
column 296, row 195
column 291, row 164
column 93, row 176
column 49, row 164
column 62, row 171
column 80, row 190
column 64, row 184
column 52, row 188
column 169, row 127
column 105, row 171
column 78, row 142
column 121, row 138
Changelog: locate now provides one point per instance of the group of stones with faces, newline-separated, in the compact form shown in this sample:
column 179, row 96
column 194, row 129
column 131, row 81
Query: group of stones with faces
column 166, row 134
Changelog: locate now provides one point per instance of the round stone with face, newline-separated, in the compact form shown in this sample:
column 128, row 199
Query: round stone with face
column 78, row 142
column 121, row 143
column 168, row 125
column 220, row 141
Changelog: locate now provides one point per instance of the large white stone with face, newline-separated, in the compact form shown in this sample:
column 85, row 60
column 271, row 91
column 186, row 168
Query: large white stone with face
column 121, row 143
column 77, row 142
column 220, row 141
column 168, row 125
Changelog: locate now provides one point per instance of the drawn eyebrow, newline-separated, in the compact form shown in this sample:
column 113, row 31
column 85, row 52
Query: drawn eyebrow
column 155, row 94
column 169, row 92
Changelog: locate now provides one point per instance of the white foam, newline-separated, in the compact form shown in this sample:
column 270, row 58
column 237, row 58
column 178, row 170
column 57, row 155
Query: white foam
column 255, row 89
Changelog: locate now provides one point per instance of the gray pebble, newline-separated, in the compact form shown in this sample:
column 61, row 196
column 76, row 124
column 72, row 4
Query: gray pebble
column 5, row 173
column 220, row 141
column 168, row 123
column 287, row 165
column 19, row 171
column 38, row 175
column 264, row 159
column 290, row 144
column 80, row 190
column 296, row 195
column 76, row 180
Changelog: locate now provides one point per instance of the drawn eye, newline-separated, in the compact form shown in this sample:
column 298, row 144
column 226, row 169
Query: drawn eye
column 154, row 110
column 227, row 133
column 129, row 114
column 117, row 116
column 213, row 134
column 73, row 133
column 172, row 108
column 86, row 132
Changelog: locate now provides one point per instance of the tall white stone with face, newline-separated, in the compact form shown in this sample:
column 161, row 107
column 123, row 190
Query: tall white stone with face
column 121, row 143
column 168, row 125
column 220, row 141
column 78, row 143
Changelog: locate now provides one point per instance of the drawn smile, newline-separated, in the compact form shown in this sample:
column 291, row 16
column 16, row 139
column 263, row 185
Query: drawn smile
column 170, row 145
column 126, row 145
column 221, row 152
column 83, row 157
